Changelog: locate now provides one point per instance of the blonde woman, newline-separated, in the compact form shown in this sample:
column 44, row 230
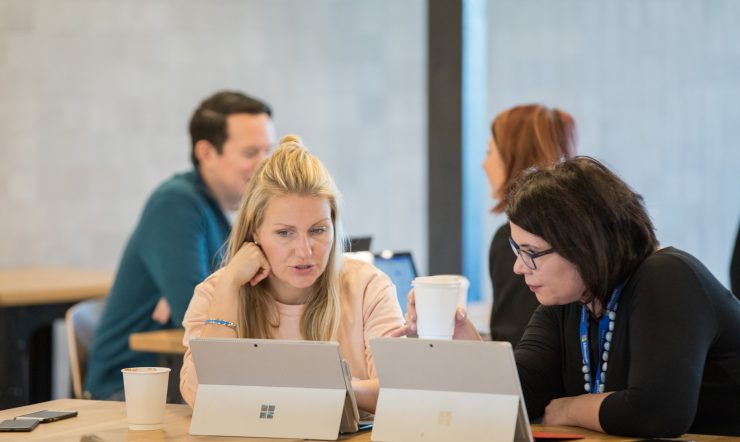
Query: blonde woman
column 284, row 276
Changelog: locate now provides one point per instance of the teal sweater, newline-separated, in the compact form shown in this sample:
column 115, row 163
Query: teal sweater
column 176, row 245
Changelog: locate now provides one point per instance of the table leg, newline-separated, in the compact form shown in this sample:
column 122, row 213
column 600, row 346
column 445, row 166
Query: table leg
column 26, row 353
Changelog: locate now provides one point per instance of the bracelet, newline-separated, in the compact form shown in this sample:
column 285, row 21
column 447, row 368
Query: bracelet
column 231, row 325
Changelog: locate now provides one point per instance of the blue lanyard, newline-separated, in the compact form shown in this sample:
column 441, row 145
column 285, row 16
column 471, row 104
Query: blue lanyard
column 597, row 380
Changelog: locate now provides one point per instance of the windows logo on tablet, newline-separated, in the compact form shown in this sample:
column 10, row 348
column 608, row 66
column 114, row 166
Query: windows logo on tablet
column 267, row 411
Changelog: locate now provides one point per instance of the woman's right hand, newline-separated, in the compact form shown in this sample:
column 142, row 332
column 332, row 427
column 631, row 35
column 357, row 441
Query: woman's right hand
column 464, row 329
column 249, row 265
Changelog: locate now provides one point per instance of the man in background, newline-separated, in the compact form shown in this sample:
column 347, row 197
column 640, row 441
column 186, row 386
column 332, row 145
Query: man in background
column 178, row 240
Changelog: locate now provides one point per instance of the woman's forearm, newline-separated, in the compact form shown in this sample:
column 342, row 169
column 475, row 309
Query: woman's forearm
column 224, row 306
column 580, row 411
column 366, row 393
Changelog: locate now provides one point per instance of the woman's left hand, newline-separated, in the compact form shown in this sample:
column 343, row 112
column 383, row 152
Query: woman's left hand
column 579, row 411
column 556, row 412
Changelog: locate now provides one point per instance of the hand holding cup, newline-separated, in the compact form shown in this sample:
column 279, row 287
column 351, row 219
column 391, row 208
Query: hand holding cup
column 463, row 327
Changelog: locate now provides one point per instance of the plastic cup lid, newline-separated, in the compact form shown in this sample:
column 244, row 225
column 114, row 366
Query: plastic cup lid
column 437, row 280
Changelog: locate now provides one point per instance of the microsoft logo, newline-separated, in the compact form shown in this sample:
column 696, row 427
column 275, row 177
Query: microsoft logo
column 267, row 411
column 445, row 418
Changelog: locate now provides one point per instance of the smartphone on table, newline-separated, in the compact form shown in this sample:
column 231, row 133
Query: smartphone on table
column 45, row 416
column 18, row 425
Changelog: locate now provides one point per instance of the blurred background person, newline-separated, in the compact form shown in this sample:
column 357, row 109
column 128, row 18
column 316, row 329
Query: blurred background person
column 178, row 240
column 521, row 137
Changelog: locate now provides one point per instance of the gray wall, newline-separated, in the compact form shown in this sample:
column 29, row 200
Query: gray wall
column 95, row 97
column 655, row 88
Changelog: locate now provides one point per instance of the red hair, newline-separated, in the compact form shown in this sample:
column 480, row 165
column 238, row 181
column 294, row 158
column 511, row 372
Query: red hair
column 531, row 135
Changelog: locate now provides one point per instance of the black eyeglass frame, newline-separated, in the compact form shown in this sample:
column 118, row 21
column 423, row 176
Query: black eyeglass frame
column 528, row 257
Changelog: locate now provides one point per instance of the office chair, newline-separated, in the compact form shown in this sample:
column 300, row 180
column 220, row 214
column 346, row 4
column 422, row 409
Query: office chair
column 82, row 319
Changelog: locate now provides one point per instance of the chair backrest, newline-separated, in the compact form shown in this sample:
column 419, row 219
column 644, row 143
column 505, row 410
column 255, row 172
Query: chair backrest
column 82, row 319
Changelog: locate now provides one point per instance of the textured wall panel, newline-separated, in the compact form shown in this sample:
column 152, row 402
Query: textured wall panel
column 655, row 88
column 95, row 97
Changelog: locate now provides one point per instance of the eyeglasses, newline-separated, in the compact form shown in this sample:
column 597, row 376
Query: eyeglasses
column 528, row 257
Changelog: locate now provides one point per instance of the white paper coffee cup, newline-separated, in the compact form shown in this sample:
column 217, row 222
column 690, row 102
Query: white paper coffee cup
column 436, row 300
column 146, row 396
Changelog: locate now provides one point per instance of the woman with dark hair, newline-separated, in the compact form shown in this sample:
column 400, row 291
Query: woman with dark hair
column 630, row 339
column 521, row 137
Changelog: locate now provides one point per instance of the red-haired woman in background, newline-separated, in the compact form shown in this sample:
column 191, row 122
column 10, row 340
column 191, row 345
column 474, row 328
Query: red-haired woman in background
column 521, row 137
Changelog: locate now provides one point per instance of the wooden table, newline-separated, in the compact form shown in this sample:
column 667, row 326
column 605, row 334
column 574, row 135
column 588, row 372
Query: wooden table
column 159, row 341
column 35, row 286
column 30, row 300
column 107, row 421
column 170, row 342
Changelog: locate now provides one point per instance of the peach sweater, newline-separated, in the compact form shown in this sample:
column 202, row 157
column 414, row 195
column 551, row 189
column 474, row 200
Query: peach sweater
column 369, row 308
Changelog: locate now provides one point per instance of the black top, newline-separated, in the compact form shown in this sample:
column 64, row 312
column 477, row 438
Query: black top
column 674, row 364
column 735, row 267
column 513, row 302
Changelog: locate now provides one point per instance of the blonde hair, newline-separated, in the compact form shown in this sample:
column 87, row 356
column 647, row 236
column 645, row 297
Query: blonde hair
column 290, row 170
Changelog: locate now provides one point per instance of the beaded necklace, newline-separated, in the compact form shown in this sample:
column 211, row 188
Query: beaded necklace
column 606, row 328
